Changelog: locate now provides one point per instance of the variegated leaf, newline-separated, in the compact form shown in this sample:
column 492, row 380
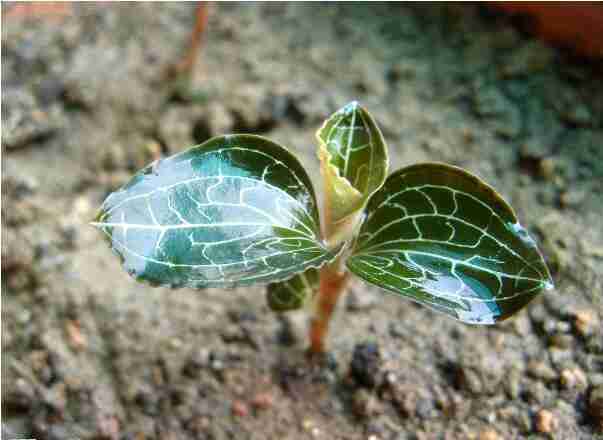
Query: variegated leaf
column 442, row 237
column 233, row 211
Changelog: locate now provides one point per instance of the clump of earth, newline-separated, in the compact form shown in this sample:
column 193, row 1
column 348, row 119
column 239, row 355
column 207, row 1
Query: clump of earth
column 88, row 353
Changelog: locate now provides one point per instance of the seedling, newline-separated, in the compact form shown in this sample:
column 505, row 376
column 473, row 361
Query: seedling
column 240, row 209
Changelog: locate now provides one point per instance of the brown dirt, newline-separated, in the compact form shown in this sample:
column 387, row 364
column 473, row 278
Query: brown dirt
column 87, row 353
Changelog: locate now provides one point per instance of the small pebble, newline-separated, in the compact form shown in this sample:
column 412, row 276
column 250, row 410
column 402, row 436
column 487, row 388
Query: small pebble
column 365, row 403
column 546, row 168
column 390, row 378
column 468, row 135
column 76, row 338
column 240, row 409
column 262, row 400
column 489, row 434
column 563, row 327
column 366, row 364
column 175, row 343
column 546, row 422
column 585, row 322
column 82, row 207
column 309, row 426
column 573, row 378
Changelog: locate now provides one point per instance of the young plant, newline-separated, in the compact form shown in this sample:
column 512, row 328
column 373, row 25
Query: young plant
column 240, row 209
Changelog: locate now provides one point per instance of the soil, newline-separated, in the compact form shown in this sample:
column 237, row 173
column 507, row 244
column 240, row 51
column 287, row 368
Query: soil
column 88, row 353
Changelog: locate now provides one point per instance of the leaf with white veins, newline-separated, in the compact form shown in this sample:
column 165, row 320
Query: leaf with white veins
column 354, row 162
column 438, row 235
column 233, row 211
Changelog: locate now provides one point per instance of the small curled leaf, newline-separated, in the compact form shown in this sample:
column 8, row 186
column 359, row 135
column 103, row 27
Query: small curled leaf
column 441, row 236
column 293, row 293
column 354, row 161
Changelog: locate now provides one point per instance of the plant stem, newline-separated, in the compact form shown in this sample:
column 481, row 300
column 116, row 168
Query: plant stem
column 186, row 64
column 333, row 276
column 333, row 279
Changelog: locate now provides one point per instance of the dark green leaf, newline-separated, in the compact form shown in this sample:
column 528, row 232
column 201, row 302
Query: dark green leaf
column 233, row 211
column 292, row 294
column 353, row 158
column 442, row 237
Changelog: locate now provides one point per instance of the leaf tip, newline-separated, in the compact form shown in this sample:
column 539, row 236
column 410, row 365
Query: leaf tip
column 100, row 226
column 548, row 285
column 351, row 106
column 97, row 220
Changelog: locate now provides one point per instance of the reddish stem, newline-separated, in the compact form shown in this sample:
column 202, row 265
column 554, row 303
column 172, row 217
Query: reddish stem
column 185, row 65
column 332, row 284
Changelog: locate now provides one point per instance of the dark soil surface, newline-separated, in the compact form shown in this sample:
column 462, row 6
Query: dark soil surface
column 88, row 353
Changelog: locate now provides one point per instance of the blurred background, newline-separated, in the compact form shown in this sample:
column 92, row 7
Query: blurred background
column 93, row 92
